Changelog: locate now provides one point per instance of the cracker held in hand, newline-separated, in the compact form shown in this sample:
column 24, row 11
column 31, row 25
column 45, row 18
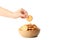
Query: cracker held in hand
column 29, row 18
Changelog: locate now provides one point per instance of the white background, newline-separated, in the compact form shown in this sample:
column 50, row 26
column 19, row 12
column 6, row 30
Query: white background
column 46, row 15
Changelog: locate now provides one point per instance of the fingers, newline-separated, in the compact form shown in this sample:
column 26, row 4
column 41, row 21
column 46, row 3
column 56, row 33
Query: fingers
column 24, row 13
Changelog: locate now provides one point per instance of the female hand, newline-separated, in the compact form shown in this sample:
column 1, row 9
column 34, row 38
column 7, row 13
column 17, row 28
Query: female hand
column 22, row 13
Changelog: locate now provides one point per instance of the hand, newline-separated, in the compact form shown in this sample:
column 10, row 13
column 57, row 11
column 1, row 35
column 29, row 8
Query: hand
column 23, row 13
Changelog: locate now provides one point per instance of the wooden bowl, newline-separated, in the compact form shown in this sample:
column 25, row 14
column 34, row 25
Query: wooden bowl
column 30, row 33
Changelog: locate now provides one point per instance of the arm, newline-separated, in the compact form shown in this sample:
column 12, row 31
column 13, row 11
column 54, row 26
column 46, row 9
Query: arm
column 7, row 13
